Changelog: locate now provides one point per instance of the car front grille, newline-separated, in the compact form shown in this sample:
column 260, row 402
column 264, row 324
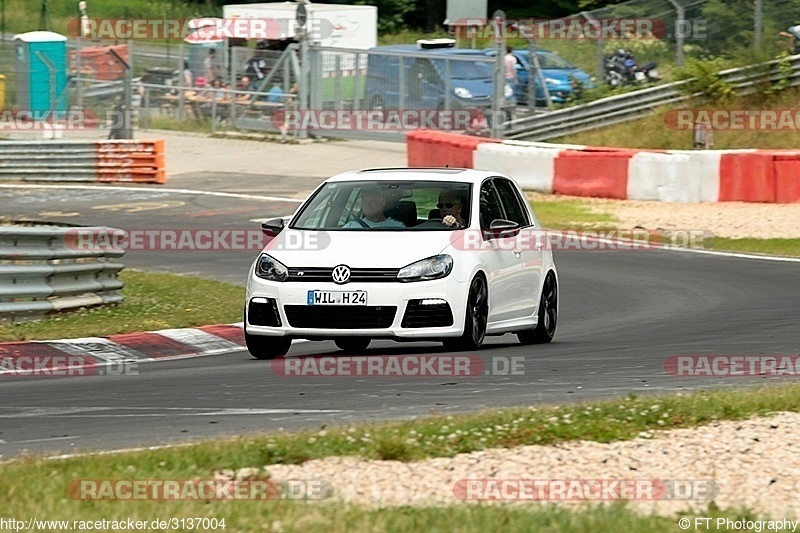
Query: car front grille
column 263, row 313
column 324, row 275
column 419, row 315
column 340, row 316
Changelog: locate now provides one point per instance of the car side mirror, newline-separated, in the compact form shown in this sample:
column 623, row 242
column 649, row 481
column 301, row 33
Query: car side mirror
column 501, row 228
column 272, row 227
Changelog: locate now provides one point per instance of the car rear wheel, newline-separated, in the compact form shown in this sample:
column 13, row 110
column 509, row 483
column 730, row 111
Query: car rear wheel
column 262, row 347
column 476, row 318
column 548, row 315
column 352, row 344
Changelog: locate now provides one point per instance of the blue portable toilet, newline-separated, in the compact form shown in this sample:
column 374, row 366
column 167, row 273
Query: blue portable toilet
column 41, row 73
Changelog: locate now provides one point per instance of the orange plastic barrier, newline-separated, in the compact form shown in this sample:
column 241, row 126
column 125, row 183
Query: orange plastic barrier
column 787, row 178
column 136, row 161
column 429, row 148
column 599, row 174
column 747, row 177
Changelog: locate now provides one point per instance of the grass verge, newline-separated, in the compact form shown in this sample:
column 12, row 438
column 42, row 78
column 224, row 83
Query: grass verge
column 152, row 301
column 35, row 486
column 658, row 132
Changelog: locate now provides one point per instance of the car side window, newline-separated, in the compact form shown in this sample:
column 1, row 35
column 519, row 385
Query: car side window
column 515, row 210
column 490, row 208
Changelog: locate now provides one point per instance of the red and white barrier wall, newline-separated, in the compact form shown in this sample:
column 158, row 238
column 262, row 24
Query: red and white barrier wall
column 666, row 175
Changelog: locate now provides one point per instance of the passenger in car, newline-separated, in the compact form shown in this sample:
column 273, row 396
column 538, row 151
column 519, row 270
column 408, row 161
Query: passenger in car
column 373, row 203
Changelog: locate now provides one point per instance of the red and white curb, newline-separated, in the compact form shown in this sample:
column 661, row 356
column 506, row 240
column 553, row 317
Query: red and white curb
column 87, row 356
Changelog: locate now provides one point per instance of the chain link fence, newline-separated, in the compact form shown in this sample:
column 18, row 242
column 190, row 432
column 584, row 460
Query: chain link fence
column 270, row 90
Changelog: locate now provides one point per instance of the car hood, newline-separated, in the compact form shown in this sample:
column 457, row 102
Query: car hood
column 478, row 87
column 563, row 75
column 356, row 248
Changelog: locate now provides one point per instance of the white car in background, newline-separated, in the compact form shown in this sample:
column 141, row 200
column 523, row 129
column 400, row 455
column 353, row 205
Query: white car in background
column 340, row 271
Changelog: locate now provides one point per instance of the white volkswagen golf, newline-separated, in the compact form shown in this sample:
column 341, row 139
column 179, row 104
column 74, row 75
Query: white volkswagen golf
column 441, row 254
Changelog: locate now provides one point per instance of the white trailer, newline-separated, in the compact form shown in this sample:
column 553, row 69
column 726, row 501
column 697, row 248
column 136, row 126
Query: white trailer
column 330, row 25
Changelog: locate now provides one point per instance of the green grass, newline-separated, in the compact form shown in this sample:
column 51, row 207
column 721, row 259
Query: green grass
column 152, row 301
column 569, row 214
column 161, row 122
column 654, row 133
column 758, row 246
column 24, row 15
column 34, row 486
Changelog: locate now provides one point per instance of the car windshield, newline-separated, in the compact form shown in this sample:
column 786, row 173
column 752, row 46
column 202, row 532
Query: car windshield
column 403, row 205
column 466, row 70
column 554, row 61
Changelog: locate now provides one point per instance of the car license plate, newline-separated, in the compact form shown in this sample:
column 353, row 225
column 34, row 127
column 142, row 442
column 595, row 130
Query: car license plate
column 337, row 297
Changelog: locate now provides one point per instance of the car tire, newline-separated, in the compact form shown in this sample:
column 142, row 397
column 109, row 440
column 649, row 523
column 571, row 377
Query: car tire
column 548, row 315
column 475, row 320
column 262, row 347
column 353, row 344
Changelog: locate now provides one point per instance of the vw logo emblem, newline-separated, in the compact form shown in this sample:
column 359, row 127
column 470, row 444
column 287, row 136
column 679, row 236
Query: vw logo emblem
column 341, row 274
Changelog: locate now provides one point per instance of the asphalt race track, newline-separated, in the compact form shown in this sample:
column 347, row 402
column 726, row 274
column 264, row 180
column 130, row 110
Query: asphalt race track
column 622, row 314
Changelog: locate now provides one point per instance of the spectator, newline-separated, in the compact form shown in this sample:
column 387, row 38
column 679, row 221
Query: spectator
column 275, row 94
column 256, row 67
column 511, row 67
column 187, row 78
column 478, row 125
column 210, row 66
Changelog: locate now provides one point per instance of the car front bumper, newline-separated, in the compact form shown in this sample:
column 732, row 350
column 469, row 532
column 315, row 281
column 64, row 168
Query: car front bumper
column 290, row 315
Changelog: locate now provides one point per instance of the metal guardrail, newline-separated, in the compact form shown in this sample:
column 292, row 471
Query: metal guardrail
column 62, row 160
column 48, row 161
column 42, row 270
column 637, row 104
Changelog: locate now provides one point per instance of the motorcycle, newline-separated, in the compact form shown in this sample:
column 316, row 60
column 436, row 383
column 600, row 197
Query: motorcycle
column 622, row 69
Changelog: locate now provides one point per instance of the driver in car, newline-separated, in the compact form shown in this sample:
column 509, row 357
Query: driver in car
column 450, row 206
column 373, row 204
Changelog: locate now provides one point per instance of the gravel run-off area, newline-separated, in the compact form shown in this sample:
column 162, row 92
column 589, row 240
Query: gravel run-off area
column 722, row 219
column 750, row 464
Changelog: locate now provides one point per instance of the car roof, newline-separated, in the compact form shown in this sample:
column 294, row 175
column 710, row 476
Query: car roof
column 412, row 48
column 464, row 175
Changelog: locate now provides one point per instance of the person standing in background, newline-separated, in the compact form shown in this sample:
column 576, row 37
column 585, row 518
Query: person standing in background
column 210, row 66
column 511, row 67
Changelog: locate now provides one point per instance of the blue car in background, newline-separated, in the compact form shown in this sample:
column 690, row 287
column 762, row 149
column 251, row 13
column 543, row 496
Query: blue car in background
column 557, row 73
column 431, row 78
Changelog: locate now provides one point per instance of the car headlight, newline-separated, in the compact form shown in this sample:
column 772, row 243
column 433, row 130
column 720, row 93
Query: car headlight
column 508, row 91
column 431, row 268
column 462, row 92
column 552, row 81
column 270, row 268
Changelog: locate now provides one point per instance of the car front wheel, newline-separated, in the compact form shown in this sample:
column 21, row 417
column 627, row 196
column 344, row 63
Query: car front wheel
column 262, row 347
column 548, row 315
column 477, row 316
